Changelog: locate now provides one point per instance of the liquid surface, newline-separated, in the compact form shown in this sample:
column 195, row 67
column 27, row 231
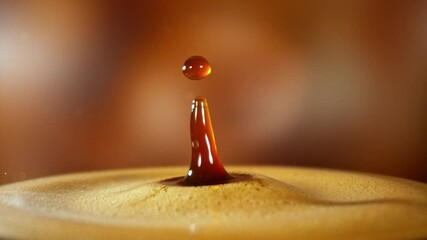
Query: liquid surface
column 275, row 203
column 196, row 68
column 206, row 167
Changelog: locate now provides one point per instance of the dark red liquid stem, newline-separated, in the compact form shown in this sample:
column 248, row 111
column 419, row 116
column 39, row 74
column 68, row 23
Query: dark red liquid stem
column 206, row 167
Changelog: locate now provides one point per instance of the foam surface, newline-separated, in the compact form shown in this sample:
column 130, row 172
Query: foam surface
column 277, row 202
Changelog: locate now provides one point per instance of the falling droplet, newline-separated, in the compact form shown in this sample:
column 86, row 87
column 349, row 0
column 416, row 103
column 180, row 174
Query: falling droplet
column 196, row 68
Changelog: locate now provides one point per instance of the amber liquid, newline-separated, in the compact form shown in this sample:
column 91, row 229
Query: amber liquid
column 196, row 68
column 206, row 166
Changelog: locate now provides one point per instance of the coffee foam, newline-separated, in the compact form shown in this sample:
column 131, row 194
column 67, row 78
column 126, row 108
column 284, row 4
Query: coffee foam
column 276, row 202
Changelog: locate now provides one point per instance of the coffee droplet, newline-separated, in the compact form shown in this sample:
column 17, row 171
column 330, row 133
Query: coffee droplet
column 196, row 68
column 206, row 167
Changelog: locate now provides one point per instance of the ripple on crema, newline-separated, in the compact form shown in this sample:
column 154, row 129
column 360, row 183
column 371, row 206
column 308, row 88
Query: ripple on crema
column 274, row 201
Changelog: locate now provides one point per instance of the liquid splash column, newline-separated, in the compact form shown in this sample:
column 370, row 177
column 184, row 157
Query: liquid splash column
column 206, row 167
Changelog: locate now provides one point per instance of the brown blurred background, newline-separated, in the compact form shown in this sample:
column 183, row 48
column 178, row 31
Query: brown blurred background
column 88, row 85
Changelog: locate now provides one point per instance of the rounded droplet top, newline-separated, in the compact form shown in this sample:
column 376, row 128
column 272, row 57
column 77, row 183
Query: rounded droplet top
column 196, row 68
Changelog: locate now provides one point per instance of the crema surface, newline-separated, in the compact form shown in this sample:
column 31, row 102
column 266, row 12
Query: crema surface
column 274, row 202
